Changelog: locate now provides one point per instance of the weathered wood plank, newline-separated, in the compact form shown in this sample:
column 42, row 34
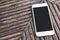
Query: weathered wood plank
column 11, row 36
column 55, row 37
column 42, row 38
column 56, row 10
column 24, row 36
column 27, row 34
column 16, row 14
column 54, row 23
column 56, row 27
column 58, row 6
column 30, row 29
column 14, row 23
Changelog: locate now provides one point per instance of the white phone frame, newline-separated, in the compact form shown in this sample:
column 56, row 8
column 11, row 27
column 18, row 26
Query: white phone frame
column 44, row 33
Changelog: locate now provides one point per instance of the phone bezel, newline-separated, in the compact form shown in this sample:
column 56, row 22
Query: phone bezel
column 44, row 33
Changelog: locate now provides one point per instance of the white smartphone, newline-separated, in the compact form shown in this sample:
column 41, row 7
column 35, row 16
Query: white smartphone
column 42, row 20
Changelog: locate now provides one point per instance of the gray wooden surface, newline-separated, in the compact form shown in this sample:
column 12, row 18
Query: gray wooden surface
column 16, row 19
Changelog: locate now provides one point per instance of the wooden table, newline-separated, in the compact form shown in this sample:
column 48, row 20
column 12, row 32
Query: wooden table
column 16, row 20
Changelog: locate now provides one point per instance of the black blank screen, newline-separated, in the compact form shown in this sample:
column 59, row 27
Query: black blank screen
column 42, row 19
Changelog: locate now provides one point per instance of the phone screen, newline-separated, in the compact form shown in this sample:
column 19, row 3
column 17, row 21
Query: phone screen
column 42, row 19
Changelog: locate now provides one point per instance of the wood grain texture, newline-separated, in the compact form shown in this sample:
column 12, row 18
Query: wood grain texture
column 16, row 21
